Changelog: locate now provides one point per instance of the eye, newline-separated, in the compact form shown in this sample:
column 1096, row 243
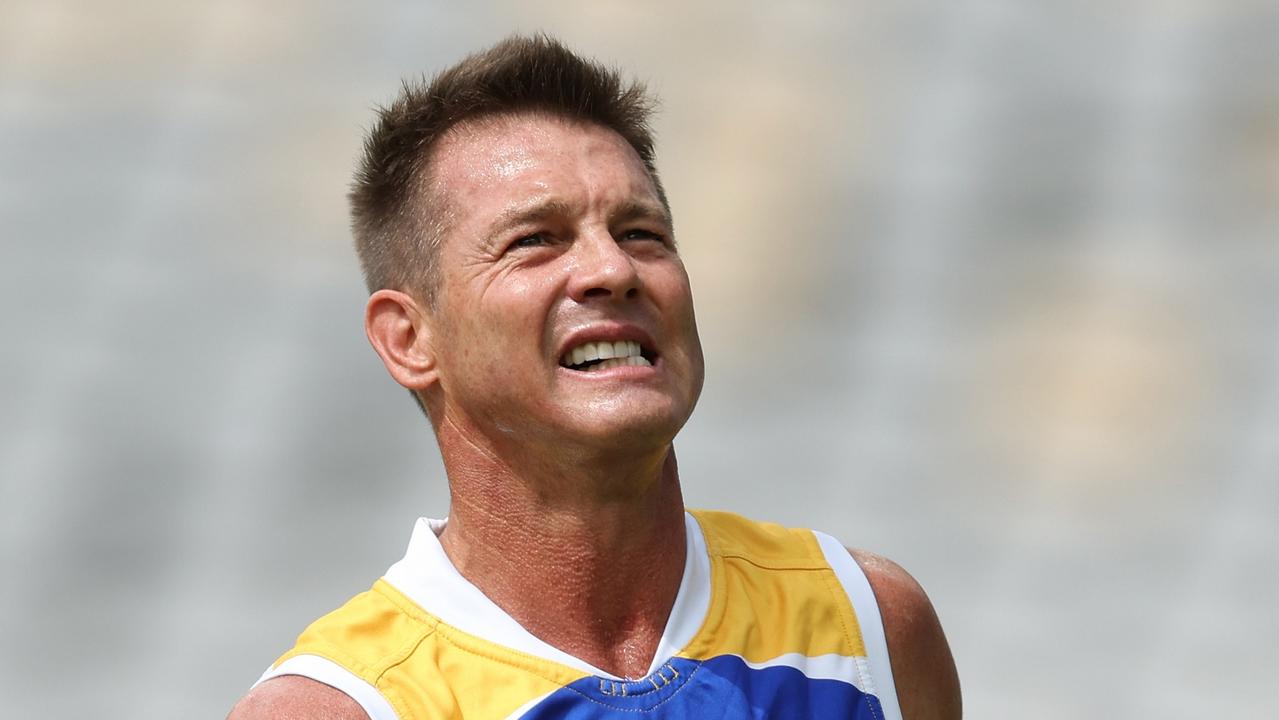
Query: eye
column 532, row 240
column 641, row 234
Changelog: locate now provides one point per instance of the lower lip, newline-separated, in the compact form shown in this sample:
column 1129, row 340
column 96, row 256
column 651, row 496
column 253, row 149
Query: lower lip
column 621, row 372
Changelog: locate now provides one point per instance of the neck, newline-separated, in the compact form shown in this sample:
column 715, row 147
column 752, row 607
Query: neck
column 587, row 555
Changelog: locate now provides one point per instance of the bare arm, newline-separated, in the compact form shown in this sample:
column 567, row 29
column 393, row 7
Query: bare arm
column 293, row 697
column 923, row 669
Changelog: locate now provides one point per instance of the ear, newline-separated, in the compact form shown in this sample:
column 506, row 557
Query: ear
column 398, row 328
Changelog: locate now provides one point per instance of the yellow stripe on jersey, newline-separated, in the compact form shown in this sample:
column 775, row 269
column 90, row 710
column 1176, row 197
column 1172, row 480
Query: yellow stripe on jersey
column 424, row 668
column 763, row 578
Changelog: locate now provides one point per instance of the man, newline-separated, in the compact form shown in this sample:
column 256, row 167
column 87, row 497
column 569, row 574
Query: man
column 527, row 289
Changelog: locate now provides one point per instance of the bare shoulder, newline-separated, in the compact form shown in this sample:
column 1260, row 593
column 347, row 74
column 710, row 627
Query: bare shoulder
column 293, row 697
column 923, row 669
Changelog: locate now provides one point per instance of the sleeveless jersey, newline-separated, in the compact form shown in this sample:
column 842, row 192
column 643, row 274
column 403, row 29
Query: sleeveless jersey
column 768, row 622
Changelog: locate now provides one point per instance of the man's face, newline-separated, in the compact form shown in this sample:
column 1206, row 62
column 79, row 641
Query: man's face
column 558, row 249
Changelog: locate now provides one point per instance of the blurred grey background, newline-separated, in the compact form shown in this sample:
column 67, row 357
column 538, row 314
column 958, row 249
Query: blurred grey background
column 988, row 287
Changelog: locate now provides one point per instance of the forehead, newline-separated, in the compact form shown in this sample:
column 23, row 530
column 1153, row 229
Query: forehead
column 482, row 166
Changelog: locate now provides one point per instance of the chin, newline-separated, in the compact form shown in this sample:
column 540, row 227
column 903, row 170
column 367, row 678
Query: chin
column 627, row 430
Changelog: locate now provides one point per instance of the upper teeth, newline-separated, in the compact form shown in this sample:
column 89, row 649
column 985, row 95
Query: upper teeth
column 602, row 350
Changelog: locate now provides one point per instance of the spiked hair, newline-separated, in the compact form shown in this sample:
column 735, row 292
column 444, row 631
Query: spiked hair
column 396, row 223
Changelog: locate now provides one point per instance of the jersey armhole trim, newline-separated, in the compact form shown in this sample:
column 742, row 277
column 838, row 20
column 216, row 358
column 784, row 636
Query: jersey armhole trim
column 857, row 588
column 337, row 677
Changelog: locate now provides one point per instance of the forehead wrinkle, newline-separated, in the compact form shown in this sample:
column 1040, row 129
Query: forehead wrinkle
column 492, row 152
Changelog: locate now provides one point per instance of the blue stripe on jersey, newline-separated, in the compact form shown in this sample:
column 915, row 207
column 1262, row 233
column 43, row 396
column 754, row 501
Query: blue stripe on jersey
column 724, row 687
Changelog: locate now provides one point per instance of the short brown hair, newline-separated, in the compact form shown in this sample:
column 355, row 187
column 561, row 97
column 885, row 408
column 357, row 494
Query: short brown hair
column 396, row 229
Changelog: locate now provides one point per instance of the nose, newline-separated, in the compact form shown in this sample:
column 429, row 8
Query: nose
column 602, row 269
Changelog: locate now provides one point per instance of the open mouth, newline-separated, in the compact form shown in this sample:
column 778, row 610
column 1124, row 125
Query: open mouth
column 604, row 355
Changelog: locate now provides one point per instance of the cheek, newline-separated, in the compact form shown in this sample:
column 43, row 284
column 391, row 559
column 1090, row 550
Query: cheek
column 670, row 287
column 524, row 296
column 511, row 315
column 676, row 299
column 529, row 285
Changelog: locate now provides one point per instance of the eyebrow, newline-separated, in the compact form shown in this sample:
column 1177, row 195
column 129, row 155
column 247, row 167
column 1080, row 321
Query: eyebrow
column 641, row 210
column 516, row 215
